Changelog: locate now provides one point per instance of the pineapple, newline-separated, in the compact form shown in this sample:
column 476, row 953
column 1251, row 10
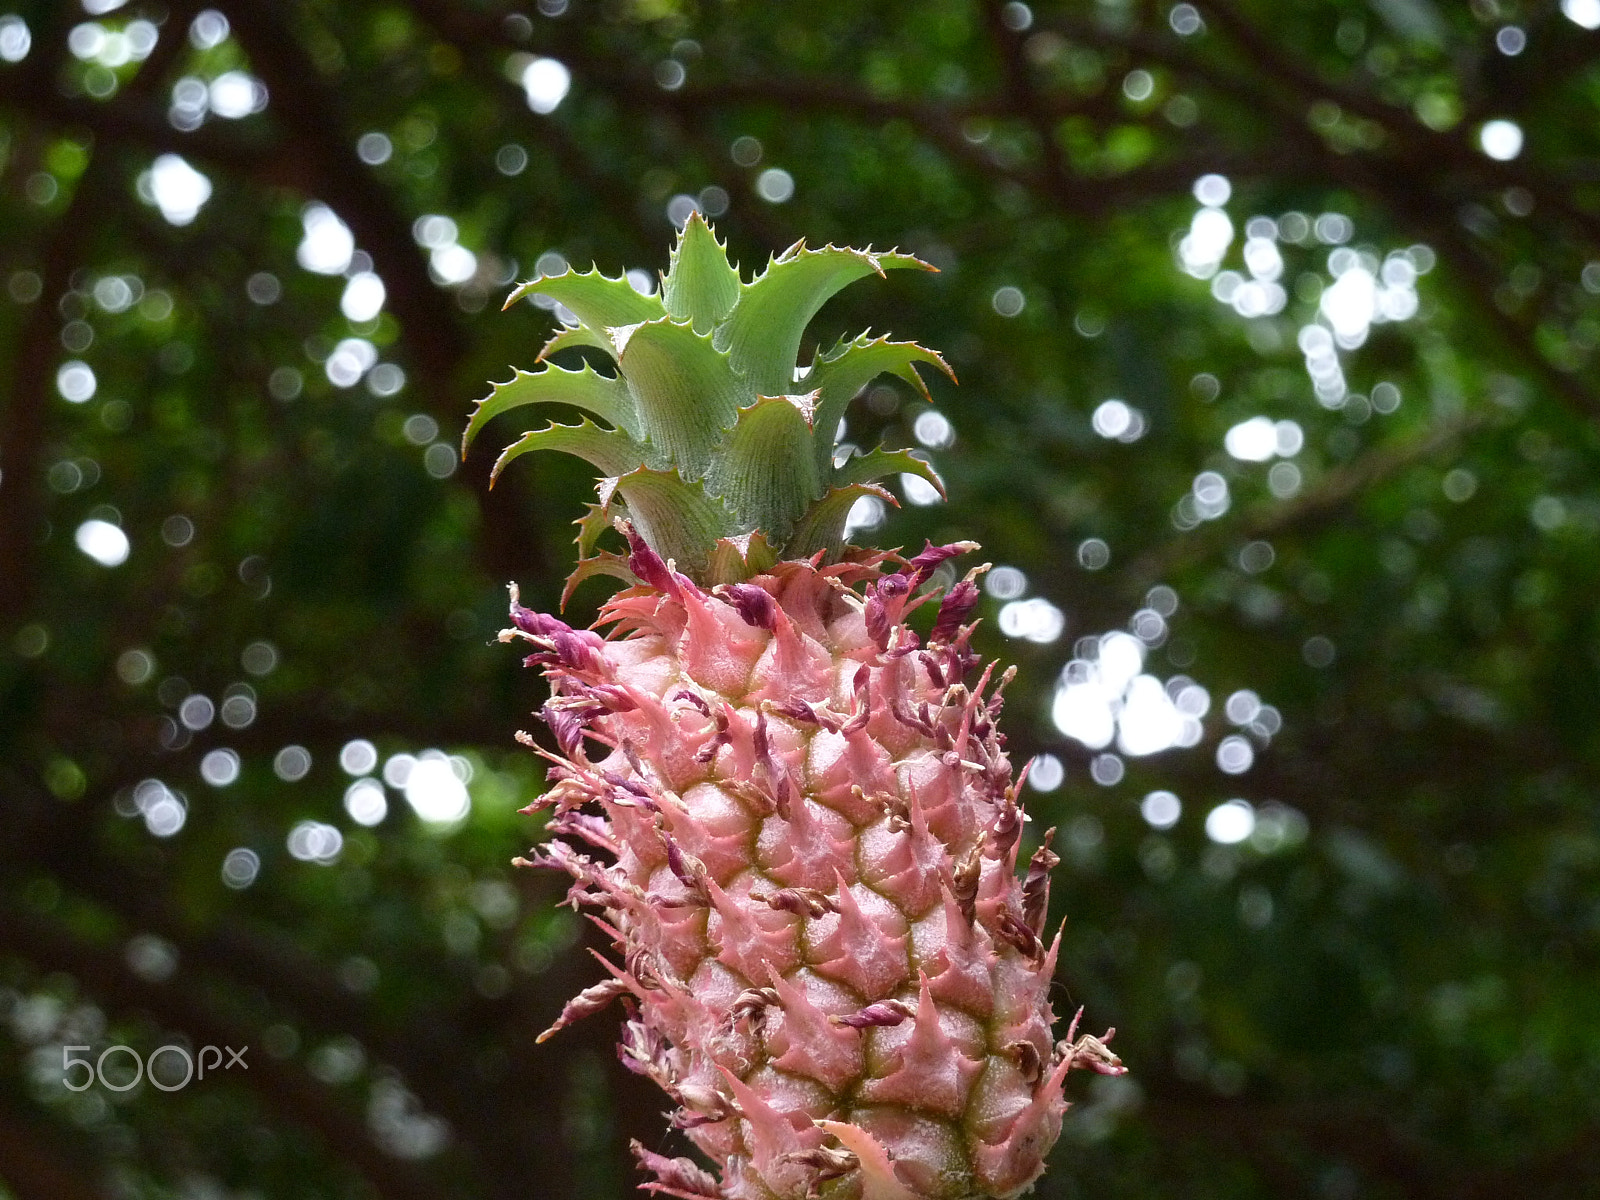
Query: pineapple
column 793, row 817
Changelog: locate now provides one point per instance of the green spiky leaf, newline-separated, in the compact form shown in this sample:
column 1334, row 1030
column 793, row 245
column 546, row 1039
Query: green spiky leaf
column 762, row 333
column 764, row 468
column 822, row 526
column 569, row 336
column 604, row 563
column 843, row 371
column 677, row 517
column 735, row 559
column 597, row 300
column 700, row 286
column 712, row 453
column 596, row 520
column 611, row 451
column 603, row 396
column 684, row 388
column 879, row 463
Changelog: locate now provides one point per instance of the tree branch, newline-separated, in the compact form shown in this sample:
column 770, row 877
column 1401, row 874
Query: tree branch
column 31, row 395
column 1336, row 490
column 34, row 1170
column 296, row 1097
column 313, row 114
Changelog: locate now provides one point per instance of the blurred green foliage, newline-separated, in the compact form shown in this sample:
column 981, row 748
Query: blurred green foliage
column 1388, row 989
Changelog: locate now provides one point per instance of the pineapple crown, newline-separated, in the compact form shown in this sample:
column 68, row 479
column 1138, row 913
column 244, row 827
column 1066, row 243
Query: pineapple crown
column 717, row 446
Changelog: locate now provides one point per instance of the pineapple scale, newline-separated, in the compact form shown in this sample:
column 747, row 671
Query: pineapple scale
column 798, row 825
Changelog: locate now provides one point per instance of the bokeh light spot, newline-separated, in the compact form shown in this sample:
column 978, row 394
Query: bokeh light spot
column 103, row 542
column 1231, row 823
column 434, row 791
column 1501, row 139
column 1161, row 809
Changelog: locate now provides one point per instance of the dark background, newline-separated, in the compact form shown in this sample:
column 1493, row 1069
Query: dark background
column 1389, row 990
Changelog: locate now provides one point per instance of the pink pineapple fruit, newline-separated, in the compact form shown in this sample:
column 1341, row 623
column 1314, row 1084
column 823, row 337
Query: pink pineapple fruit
column 792, row 815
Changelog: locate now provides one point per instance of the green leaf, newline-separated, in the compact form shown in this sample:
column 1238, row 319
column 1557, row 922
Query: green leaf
column 764, row 467
column 595, row 299
column 700, row 285
column 596, row 520
column 611, row 451
column 569, row 336
column 822, row 527
column 606, row 562
column 762, row 333
column 604, row 396
column 677, row 518
column 735, row 559
column 865, row 468
column 685, row 391
column 849, row 367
